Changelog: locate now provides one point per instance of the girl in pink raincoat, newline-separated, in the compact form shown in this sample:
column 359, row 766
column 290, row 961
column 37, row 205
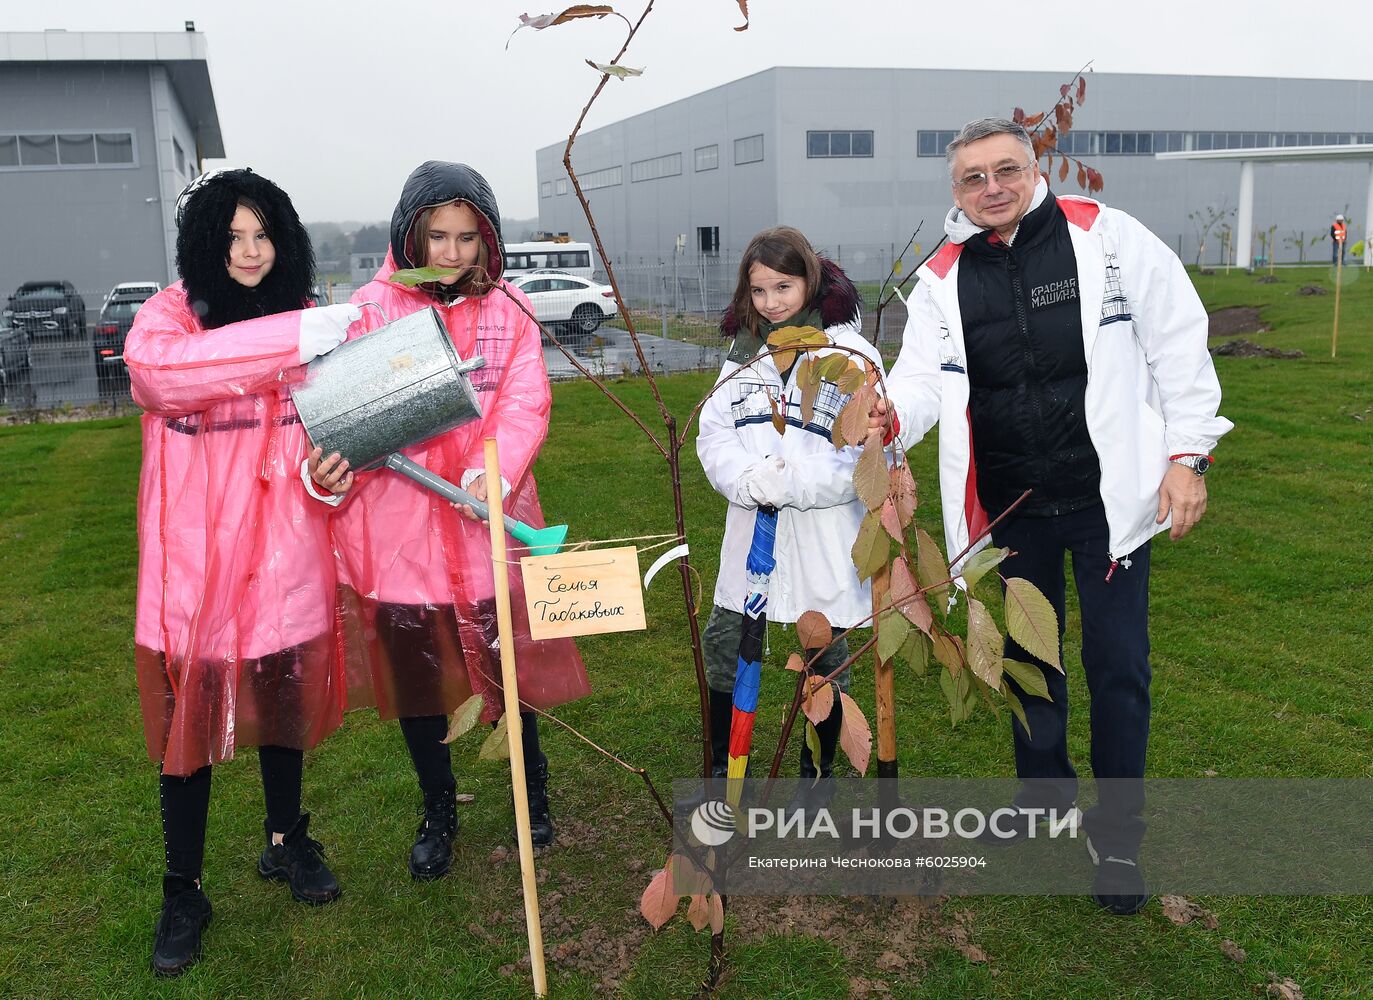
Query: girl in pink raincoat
column 419, row 570
column 235, row 638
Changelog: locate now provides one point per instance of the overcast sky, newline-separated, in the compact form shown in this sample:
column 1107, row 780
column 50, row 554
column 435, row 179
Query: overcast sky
column 337, row 102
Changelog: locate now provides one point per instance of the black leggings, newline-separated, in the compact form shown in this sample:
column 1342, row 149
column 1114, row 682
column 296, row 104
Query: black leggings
column 186, row 806
column 434, row 766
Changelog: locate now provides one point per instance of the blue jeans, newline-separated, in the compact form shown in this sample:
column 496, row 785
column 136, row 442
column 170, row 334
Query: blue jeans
column 1115, row 658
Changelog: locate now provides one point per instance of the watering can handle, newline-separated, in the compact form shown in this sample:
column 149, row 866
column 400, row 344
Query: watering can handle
column 541, row 541
column 377, row 307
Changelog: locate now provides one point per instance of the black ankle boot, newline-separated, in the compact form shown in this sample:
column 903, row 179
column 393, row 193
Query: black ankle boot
column 432, row 855
column 816, row 786
column 185, row 914
column 541, row 828
column 299, row 861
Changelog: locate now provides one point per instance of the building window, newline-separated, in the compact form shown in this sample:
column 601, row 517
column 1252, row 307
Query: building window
column 707, row 158
column 933, row 143
column 546, row 189
column 607, row 177
column 43, row 150
column 708, row 239
column 748, row 150
column 560, row 186
column 180, row 156
column 655, row 168
column 828, row 145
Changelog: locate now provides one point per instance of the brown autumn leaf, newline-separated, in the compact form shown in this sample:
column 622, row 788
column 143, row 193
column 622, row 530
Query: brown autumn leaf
column 540, row 21
column 1063, row 90
column 1081, row 90
column 818, row 702
column 743, row 7
column 1050, row 137
column 699, row 912
column 658, row 904
column 1033, row 120
column 806, row 372
column 717, row 905
column 1082, row 176
column 784, row 359
column 1284, row 989
column 1063, row 170
column 779, row 422
column 1018, row 116
column 871, row 547
column 855, row 415
column 907, row 599
column 837, row 435
column 808, row 380
column 1182, row 911
column 814, row 631
column 890, row 521
column 796, row 662
column 984, row 644
column 948, row 650
column 870, row 479
column 1063, row 116
column 931, row 568
column 1233, row 951
column 903, row 493
column 855, row 735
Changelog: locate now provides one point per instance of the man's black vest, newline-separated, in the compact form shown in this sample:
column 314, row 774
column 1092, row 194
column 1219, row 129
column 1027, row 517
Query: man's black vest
column 1022, row 328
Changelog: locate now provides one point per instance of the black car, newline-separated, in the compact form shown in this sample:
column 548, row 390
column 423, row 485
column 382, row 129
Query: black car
column 47, row 309
column 16, row 379
column 111, row 328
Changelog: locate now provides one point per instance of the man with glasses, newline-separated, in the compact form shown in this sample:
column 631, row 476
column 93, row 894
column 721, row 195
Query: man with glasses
column 1062, row 349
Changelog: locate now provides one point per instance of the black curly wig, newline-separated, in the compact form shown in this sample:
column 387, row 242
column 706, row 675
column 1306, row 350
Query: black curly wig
column 202, row 250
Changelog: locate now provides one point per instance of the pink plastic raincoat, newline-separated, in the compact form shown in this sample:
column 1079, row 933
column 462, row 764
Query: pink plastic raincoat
column 235, row 636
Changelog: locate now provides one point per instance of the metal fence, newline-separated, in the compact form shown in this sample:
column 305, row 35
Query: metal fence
column 73, row 364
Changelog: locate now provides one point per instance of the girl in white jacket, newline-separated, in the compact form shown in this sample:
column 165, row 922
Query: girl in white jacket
column 782, row 283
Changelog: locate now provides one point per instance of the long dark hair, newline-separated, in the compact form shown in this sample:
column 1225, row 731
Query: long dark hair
column 202, row 250
column 787, row 251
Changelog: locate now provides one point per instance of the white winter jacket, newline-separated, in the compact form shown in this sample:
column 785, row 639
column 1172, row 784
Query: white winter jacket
column 1152, row 390
column 817, row 525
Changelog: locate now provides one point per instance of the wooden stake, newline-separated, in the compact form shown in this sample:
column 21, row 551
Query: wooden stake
column 1339, row 276
column 506, row 630
column 886, row 687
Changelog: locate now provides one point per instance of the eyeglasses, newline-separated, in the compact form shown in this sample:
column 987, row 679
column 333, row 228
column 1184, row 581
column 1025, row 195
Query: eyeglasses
column 1008, row 174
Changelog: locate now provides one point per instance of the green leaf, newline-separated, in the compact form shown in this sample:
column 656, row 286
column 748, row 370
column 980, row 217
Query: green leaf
column 892, row 629
column 916, row 652
column 831, row 366
column 851, row 379
column 1029, row 676
column 871, row 548
column 1031, row 621
column 797, row 336
column 948, row 650
column 950, row 688
column 807, row 373
column 977, row 566
column 412, row 276
column 985, row 644
column 931, row 567
column 464, row 718
column 1016, row 707
column 497, row 745
column 870, row 479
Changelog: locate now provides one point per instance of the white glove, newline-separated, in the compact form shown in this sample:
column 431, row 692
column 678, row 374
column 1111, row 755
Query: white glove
column 324, row 328
column 765, row 484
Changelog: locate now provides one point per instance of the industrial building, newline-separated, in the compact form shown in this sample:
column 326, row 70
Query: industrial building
column 855, row 159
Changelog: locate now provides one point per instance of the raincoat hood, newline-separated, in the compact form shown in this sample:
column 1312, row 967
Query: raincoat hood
column 437, row 182
column 959, row 228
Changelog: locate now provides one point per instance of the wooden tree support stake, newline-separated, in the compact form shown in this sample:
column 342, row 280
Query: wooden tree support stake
column 510, row 686
column 1339, row 275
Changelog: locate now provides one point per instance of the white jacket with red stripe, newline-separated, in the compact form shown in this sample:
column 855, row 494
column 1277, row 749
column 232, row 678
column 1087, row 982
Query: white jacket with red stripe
column 1152, row 390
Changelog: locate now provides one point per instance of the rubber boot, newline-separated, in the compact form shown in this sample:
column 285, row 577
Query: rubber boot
column 432, row 855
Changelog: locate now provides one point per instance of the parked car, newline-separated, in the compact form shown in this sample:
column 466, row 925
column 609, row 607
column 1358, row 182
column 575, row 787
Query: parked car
column 116, row 317
column 577, row 305
column 47, row 309
column 16, row 373
column 146, row 288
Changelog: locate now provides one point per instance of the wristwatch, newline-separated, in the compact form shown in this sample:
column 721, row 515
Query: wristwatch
column 1197, row 463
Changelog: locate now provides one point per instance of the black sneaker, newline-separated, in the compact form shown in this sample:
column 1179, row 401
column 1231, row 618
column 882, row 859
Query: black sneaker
column 432, row 855
column 1119, row 884
column 541, row 829
column 1023, row 826
column 186, row 913
column 299, row 861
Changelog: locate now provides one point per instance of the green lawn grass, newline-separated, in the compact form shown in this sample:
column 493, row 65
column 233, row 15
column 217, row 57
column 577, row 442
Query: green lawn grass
column 1260, row 623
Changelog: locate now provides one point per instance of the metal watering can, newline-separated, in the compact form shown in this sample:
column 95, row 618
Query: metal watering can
column 401, row 384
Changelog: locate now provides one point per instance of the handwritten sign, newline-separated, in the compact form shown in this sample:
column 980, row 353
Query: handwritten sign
column 583, row 593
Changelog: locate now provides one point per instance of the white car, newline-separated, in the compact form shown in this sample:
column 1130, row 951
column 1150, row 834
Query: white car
column 565, row 300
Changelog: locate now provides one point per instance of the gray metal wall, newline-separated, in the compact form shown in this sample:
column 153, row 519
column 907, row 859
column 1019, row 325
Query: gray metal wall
column 92, row 226
column 864, row 207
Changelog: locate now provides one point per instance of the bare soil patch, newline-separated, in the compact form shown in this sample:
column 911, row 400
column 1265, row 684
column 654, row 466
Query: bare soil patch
column 1235, row 320
column 1241, row 348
